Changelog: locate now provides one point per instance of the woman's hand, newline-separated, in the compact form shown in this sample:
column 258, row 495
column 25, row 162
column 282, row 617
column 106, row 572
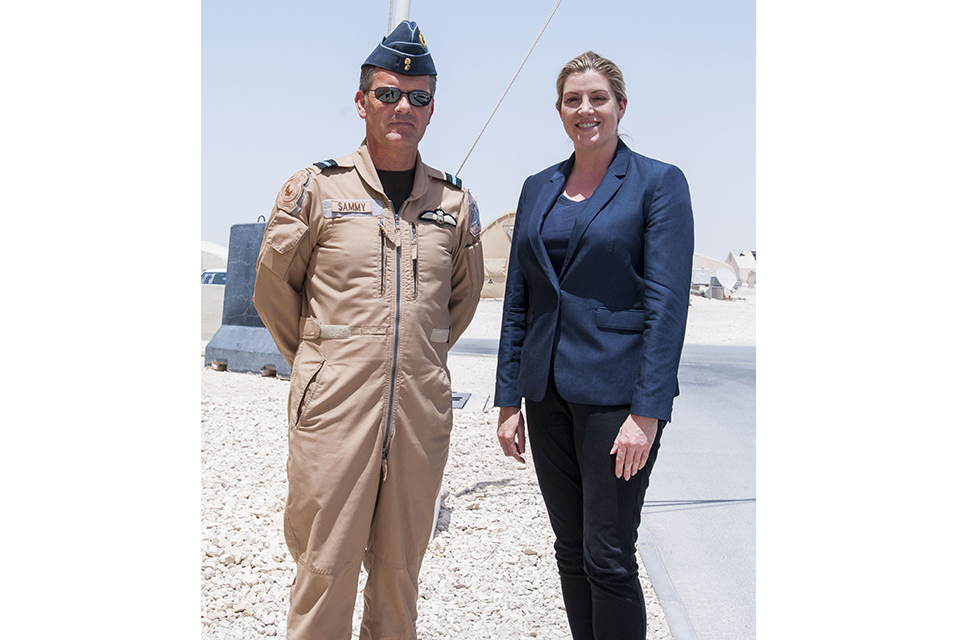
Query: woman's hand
column 632, row 444
column 510, row 433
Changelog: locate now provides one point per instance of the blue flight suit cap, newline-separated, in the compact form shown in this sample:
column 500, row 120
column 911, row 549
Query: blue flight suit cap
column 404, row 51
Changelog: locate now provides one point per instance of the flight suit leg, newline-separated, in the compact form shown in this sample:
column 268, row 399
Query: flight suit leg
column 330, row 507
column 403, row 522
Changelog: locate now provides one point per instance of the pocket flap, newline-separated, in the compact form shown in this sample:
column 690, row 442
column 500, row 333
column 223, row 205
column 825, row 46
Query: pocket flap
column 622, row 319
column 284, row 232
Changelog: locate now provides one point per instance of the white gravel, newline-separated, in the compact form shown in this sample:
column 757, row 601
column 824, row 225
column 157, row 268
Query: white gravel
column 489, row 571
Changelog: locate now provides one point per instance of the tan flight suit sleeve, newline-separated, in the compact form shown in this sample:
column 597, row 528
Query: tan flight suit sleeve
column 282, row 264
column 467, row 274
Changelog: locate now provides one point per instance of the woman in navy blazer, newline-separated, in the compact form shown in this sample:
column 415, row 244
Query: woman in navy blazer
column 594, row 315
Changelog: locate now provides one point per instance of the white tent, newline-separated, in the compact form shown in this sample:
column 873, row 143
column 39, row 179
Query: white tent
column 703, row 262
column 744, row 265
column 212, row 256
column 496, row 238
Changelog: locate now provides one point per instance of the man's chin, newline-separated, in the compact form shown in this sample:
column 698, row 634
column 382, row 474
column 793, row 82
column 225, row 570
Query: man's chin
column 402, row 131
column 403, row 137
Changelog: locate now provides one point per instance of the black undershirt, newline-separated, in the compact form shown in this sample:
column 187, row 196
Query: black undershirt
column 397, row 185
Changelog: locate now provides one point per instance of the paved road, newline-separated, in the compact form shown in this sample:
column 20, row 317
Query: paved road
column 476, row 346
column 698, row 537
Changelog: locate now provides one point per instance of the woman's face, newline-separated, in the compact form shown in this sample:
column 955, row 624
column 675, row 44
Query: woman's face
column 589, row 110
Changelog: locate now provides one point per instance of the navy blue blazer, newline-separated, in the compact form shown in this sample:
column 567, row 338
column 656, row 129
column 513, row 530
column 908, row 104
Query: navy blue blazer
column 613, row 321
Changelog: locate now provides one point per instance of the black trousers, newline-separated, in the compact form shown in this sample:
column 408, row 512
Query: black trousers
column 594, row 514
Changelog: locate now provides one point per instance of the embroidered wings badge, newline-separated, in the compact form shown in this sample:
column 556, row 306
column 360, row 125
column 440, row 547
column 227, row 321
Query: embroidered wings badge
column 438, row 217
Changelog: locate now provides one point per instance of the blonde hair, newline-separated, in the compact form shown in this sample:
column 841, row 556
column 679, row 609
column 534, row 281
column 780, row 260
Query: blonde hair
column 586, row 62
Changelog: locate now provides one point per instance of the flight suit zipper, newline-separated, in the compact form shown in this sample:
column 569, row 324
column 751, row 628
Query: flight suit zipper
column 383, row 256
column 396, row 348
column 415, row 252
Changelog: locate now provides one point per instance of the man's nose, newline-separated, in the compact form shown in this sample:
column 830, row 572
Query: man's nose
column 404, row 103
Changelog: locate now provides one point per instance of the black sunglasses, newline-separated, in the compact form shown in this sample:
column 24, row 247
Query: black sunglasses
column 392, row 94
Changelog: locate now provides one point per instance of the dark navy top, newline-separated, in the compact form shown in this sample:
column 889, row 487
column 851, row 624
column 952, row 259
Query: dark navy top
column 557, row 227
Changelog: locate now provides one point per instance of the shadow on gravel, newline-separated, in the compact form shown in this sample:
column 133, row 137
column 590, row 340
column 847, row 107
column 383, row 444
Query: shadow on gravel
column 483, row 485
column 446, row 512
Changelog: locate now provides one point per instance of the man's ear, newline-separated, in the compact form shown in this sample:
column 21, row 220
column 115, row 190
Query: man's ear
column 361, row 100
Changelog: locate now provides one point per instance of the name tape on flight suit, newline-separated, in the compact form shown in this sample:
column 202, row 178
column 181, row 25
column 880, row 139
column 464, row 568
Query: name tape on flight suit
column 341, row 208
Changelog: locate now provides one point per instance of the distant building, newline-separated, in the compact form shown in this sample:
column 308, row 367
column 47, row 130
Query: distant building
column 744, row 265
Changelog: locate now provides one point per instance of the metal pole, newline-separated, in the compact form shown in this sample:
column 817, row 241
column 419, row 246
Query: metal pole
column 402, row 12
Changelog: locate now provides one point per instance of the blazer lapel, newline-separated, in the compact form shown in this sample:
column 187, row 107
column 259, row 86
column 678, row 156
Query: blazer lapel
column 604, row 192
column 547, row 198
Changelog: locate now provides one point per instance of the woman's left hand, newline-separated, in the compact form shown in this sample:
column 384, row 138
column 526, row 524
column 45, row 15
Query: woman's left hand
column 633, row 444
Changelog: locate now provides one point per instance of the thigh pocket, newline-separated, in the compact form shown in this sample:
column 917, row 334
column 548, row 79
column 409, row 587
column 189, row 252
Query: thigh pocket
column 305, row 383
column 309, row 396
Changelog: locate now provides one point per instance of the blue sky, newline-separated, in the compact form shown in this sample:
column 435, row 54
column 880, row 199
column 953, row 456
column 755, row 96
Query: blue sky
column 278, row 81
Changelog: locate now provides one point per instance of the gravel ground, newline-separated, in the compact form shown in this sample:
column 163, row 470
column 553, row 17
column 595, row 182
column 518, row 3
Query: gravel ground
column 489, row 571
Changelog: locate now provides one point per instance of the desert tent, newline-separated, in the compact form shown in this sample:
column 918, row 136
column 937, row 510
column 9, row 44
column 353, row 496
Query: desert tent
column 212, row 256
column 744, row 265
column 496, row 238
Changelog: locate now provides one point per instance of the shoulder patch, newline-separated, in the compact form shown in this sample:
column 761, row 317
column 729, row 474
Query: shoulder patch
column 326, row 164
column 475, row 226
column 291, row 194
column 454, row 180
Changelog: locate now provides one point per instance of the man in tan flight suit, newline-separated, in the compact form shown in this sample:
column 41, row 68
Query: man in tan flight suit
column 370, row 269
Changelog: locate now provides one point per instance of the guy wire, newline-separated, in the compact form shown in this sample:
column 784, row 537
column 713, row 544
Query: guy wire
column 509, row 85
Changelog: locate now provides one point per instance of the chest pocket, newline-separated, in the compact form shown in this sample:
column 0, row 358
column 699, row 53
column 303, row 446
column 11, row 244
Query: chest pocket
column 432, row 254
column 350, row 249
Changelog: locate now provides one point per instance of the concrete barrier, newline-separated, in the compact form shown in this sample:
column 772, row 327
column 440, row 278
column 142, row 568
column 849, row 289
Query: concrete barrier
column 242, row 343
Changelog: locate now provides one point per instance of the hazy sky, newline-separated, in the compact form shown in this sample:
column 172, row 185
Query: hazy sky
column 278, row 81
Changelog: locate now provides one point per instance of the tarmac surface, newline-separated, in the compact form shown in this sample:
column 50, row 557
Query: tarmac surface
column 699, row 517
column 698, row 532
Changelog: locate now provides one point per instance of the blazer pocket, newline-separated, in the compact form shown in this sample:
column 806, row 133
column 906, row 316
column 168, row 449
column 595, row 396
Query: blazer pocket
column 620, row 319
